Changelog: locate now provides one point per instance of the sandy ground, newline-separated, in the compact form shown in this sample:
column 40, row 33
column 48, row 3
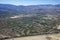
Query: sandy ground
column 39, row 37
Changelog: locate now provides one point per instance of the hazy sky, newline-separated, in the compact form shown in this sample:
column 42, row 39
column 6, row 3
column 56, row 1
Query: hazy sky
column 29, row 2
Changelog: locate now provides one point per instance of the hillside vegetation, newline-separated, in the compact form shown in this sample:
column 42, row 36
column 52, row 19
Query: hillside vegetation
column 28, row 20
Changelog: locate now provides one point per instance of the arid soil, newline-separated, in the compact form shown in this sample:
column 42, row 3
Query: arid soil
column 39, row 37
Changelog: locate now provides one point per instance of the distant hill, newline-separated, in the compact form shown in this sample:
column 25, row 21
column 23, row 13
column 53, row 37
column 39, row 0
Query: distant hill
column 8, row 9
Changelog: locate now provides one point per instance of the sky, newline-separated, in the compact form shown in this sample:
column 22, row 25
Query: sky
column 29, row 2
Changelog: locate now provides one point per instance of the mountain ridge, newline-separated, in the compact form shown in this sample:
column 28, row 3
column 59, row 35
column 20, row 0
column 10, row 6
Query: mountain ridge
column 9, row 9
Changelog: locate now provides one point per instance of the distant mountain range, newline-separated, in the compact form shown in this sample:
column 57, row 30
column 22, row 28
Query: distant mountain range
column 8, row 9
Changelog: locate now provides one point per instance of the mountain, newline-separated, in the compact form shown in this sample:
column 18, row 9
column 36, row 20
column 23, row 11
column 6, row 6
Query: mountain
column 8, row 9
column 36, row 19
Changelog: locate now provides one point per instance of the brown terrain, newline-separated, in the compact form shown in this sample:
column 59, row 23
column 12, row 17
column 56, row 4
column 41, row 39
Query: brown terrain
column 39, row 37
